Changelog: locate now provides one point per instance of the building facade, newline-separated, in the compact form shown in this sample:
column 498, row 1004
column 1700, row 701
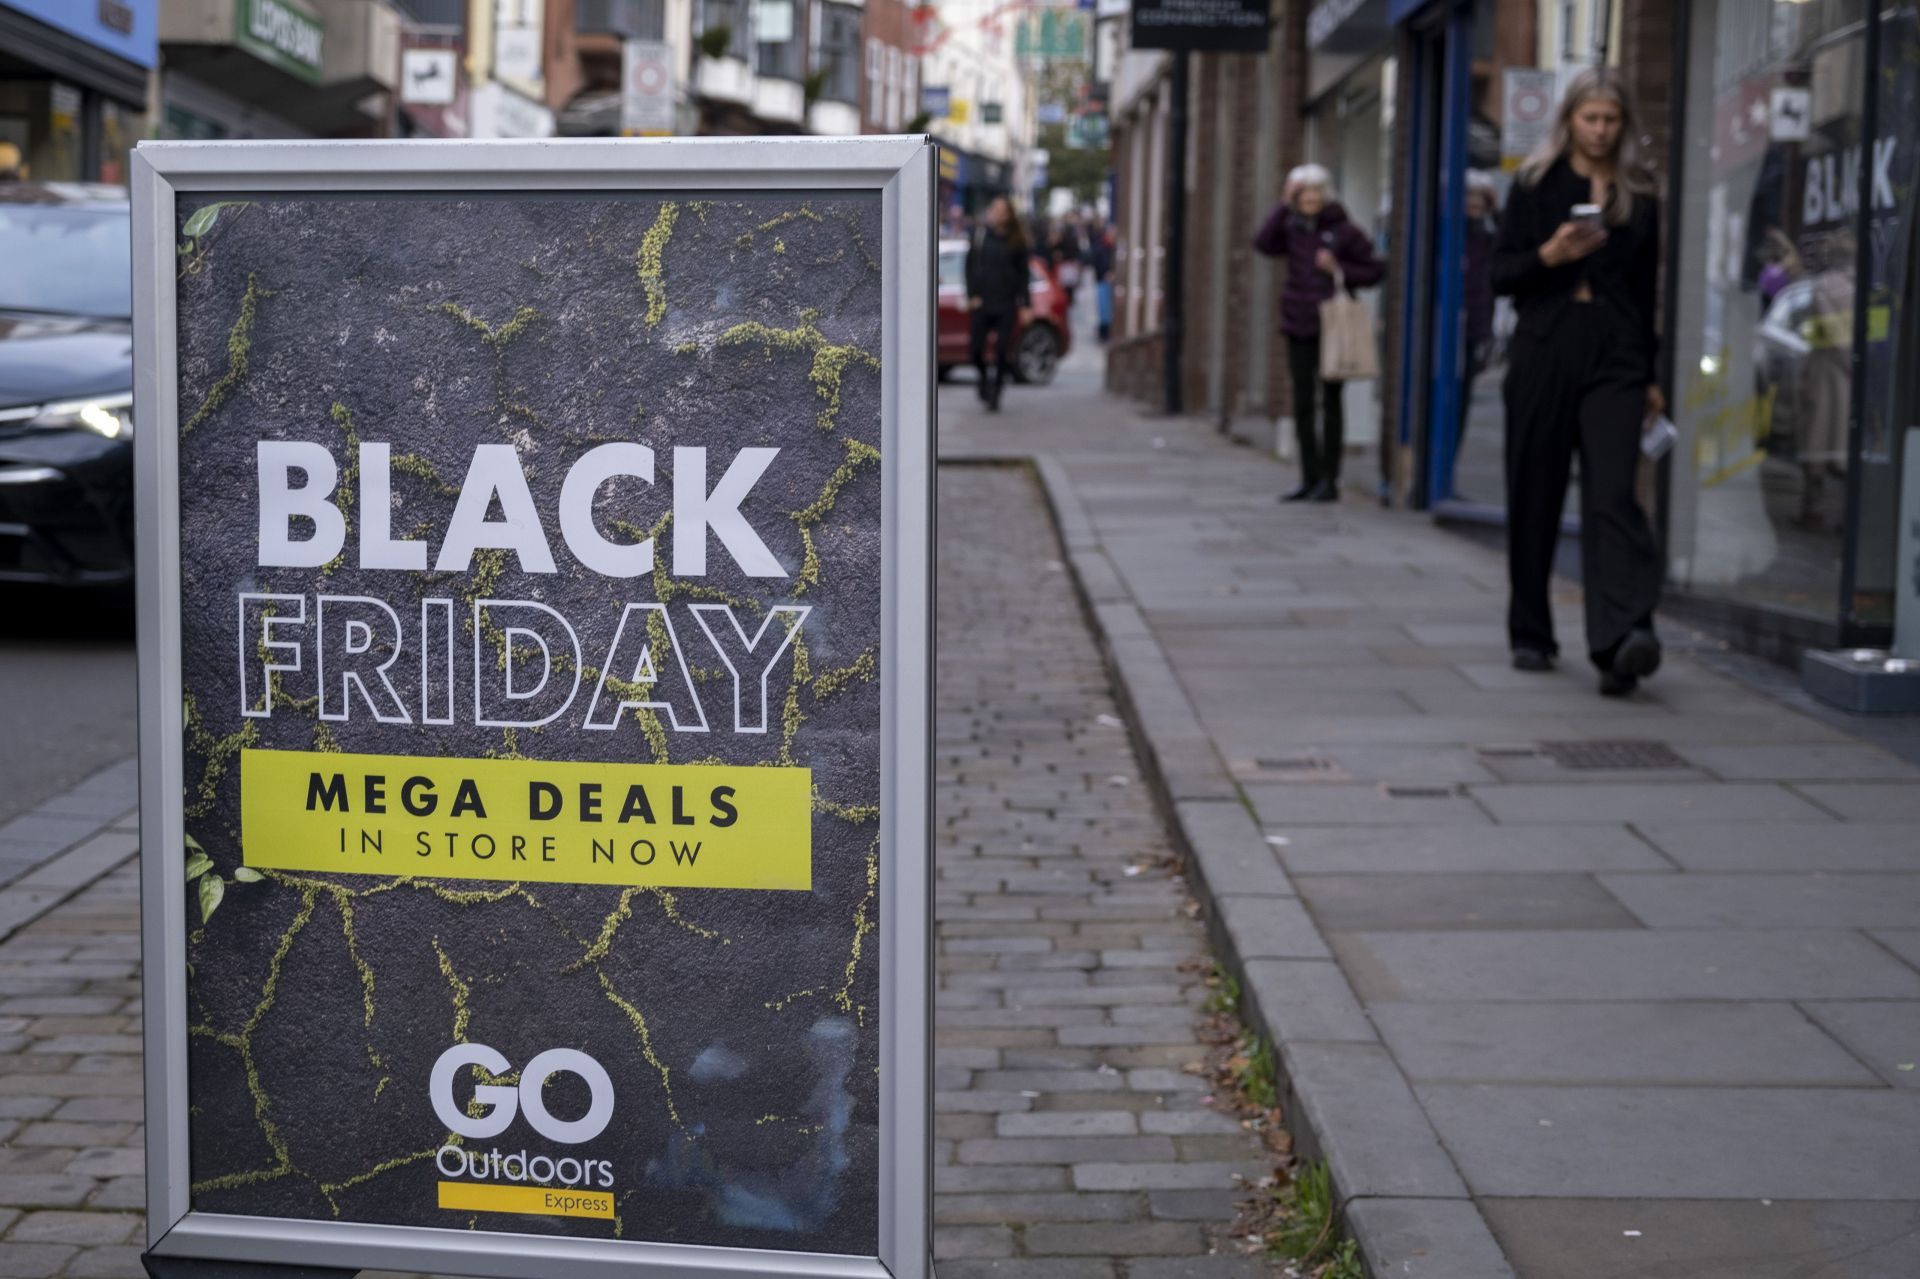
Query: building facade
column 1783, row 134
column 74, row 85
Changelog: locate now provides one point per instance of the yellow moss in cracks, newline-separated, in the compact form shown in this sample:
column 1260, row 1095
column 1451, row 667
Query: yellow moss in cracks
column 649, row 265
column 862, row 668
column 239, row 346
column 462, row 1014
column 639, row 1022
column 858, row 455
column 830, row 359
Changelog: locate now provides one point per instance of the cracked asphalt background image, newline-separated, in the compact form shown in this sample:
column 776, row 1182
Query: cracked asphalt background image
column 740, row 1028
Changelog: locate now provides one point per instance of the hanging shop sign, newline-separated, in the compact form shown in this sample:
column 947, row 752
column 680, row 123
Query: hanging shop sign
column 1202, row 26
column 535, row 658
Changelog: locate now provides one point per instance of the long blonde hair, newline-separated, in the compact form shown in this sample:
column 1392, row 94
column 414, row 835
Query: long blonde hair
column 1631, row 174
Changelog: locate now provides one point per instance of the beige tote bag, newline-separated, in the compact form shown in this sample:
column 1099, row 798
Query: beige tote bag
column 1347, row 352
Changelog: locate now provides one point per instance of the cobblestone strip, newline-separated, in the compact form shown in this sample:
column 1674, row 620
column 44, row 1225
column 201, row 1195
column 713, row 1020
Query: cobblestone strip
column 70, row 1087
column 49, row 853
column 1071, row 1143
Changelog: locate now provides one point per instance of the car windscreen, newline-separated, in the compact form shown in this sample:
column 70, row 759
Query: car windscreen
column 64, row 260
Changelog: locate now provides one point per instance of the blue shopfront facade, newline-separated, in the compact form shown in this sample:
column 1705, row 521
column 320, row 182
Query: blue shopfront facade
column 73, row 84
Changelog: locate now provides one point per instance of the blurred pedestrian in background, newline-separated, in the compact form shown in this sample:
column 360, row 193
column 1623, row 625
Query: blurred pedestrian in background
column 1324, row 251
column 1067, row 254
column 1579, row 252
column 1100, row 259
column 999, row 297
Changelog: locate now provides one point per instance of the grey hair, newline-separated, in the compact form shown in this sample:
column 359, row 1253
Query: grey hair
column 1631, row 174
column 1311, row 175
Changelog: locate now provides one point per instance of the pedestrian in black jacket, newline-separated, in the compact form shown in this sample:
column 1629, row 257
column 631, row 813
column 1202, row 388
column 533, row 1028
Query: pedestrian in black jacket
column 1324, row 251
column 1580, row 378
column 999, row 298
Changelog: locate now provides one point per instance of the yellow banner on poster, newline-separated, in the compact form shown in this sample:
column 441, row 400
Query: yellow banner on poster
column 535, row 821
column 534, row 1199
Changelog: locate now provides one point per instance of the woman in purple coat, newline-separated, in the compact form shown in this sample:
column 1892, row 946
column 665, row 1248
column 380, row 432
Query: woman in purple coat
column 1321, row 246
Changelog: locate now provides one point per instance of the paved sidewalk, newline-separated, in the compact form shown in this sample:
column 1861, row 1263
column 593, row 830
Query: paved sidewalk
column 1564, row 987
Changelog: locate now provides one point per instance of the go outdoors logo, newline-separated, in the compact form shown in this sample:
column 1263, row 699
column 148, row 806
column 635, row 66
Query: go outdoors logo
column 537, row 1176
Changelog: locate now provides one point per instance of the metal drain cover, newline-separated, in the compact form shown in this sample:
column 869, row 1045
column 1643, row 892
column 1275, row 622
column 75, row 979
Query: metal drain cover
column 1621, row 755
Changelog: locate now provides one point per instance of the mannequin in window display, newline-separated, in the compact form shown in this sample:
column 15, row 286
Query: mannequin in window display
column 1826, row 381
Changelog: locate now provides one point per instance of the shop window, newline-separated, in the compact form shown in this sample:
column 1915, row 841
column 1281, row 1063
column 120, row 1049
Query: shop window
column 1765, row 329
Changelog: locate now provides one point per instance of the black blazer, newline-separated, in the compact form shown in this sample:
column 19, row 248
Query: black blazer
column 1622, row 274
column 997, row 273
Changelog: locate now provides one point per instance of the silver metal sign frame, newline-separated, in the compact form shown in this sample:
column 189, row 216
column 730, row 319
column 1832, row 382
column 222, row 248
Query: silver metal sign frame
column 902, row 169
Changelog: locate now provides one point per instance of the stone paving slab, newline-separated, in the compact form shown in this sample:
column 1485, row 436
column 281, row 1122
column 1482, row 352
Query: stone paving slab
column 1707, row 1239
column 1385, row 902
column 1816, row 899
column 1764, row 964
column 1568, row 805
column 1707, row 1143
column 1843, row 763
column 1664, row 1043
column 1823, row 846
column 1468, row 851
column 1883, row 1034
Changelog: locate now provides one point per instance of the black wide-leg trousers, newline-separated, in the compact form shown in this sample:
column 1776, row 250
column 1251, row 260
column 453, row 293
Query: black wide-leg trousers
column 1582, row 387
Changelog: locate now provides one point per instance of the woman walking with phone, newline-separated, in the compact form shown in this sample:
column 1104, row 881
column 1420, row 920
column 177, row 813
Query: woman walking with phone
column 1579, row 253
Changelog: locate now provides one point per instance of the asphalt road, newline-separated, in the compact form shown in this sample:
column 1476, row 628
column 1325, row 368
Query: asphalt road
column 66, row 691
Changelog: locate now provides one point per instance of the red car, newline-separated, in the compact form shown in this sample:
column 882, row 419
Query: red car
column 1038, row 344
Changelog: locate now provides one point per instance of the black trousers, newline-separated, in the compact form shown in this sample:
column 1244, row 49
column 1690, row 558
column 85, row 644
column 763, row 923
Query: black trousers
column 1001, row 323
column 1320, row 453
column 1581, row 388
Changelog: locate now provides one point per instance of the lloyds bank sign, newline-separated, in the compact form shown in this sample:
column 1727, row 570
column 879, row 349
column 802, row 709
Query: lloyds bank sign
column 280, row 33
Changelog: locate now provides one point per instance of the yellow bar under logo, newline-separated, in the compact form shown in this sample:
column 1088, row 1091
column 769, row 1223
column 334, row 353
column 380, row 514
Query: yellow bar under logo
column 554, row 1202
column 671, row 825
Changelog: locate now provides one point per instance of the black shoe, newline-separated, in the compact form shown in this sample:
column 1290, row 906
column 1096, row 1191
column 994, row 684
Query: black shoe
column 1302, row 494
column 1326, row 491
column 993, row 396
column 980, row 387
column 1638, row 654
column 1617, row 683
column 1532, row 659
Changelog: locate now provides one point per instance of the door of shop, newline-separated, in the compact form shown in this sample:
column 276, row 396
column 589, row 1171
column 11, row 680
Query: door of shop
column 1437, row 90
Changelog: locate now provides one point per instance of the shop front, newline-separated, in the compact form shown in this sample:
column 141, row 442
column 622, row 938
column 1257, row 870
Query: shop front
column 1478, row 82
column 73, row 86
column 1793, row 278
column 240, row 69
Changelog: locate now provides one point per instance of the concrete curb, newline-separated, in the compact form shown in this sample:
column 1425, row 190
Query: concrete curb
column 47, row 855
column 1347, row 1102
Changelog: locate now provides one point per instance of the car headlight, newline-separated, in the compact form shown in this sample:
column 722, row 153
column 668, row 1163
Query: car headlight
column 108, row 415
